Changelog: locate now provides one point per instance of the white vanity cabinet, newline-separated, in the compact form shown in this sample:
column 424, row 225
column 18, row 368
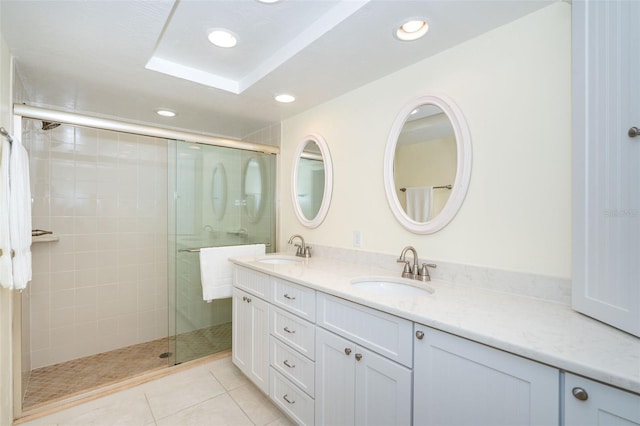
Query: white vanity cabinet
column 589, row 403
column 460, row 382
column 250, row 337
column 355, row 383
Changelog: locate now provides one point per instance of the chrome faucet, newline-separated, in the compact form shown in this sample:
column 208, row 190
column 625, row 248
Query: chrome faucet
column 412, row 271
column 303, row 250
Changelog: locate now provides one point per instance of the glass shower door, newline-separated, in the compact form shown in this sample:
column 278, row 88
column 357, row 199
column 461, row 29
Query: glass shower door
column 221, row 197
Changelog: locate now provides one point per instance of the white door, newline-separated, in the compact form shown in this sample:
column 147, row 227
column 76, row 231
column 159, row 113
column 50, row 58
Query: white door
column 250, row 344
column 606, row 168
column 383, row 390
column 460, row 382
column 589, row 403
column 335, row 379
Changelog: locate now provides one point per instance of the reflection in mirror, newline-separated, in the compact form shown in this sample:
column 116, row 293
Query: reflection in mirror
column 312, row 181
column 427, row 164
column 219, row 191
column 253, row 189
column 428, row 141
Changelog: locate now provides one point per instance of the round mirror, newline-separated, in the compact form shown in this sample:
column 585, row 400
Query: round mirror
column 253, row 189
column 312, row 180
column 219, row 191
column 427, row 164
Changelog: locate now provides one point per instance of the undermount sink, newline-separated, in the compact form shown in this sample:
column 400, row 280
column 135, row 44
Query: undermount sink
column 280, row 260
column 392, row 286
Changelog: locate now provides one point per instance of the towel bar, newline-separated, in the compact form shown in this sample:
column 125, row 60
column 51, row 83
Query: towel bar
column 197, row 249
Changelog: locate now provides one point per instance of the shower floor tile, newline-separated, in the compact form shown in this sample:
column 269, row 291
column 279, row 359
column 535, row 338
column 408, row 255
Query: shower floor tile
column 60, row 381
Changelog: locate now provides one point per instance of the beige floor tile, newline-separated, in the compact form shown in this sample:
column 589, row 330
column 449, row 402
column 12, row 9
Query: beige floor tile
column 218, row 411
column 228, row 374
column 282, row 421
column 173, row 393
column 132, row 410
column 255, row 404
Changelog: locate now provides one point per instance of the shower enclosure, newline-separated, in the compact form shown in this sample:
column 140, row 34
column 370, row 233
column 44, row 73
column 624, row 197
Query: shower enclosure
column 120, row 272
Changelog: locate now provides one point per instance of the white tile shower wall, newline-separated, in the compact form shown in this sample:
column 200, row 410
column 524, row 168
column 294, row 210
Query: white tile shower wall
column 525, row 284
column 103, row 285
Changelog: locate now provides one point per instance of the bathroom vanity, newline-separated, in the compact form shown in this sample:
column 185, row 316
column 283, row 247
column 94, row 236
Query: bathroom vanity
column 328, row 351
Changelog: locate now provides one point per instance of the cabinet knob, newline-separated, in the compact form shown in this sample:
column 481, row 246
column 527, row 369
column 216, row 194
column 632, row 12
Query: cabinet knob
column 633, row 132
column 244, row 298
column 347, row 351
column 248, row 300
column 420, row 335
column 580, row 394
column 358, row 357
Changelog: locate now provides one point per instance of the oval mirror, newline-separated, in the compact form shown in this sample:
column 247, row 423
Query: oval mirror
column 253, row 189
column 312, row 180
column 427, row 164
column 219, row 191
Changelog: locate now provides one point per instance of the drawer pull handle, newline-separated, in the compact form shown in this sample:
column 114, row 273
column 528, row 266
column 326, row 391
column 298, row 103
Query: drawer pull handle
column 289, row 331
column 358, row 357
column 287, row 399
column 286, row 296
column 580, row 394
column 286, row 362
column 347, row 351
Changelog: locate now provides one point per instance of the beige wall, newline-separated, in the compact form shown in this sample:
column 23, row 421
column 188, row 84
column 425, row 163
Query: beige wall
column 6, row 296
column 513, row 86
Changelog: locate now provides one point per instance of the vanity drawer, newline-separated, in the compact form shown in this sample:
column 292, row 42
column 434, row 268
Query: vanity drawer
column 295, row 367
column 385, row 334
column 295, row 298
column 294, row 331
column 291, row 400
column 256, row 283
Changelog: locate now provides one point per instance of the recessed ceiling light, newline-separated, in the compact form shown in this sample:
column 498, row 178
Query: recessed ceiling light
column 285, row 99
column 222, row 38
column 412, row 30
column 268, row 1
column 165, row 112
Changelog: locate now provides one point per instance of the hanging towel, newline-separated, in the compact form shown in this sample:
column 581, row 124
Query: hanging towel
column 420, row 203
column 6, row 265
column 20, row 214
column 216, row 271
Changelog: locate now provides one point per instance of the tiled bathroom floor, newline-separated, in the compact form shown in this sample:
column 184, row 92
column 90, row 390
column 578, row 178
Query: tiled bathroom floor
column 214, row 393
column 62, row 380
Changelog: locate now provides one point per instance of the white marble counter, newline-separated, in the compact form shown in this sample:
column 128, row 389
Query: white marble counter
column 547, row 332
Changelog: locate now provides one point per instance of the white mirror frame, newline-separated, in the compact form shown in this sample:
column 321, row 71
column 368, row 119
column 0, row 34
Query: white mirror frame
column 463, row 171
column 328, row 181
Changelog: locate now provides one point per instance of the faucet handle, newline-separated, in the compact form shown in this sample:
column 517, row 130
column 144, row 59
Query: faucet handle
column 307, row 252
column 424, row 271
column 406, row 272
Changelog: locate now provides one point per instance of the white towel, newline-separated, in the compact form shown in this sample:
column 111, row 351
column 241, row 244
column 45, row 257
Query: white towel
column 420, row 203
column 20, row 214
column 216, row 271
column 6, row 266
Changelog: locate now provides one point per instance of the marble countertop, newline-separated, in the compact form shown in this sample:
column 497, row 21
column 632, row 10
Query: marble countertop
column 547, row 332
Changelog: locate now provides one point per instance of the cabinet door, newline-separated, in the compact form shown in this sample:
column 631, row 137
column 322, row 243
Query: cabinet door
column 250, row 338
column 335, row 379
column 606, row 165
column 603, row 406
column 459, row 382
column 383, row 390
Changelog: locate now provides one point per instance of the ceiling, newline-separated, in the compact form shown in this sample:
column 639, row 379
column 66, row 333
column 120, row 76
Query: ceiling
column 126, row 58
